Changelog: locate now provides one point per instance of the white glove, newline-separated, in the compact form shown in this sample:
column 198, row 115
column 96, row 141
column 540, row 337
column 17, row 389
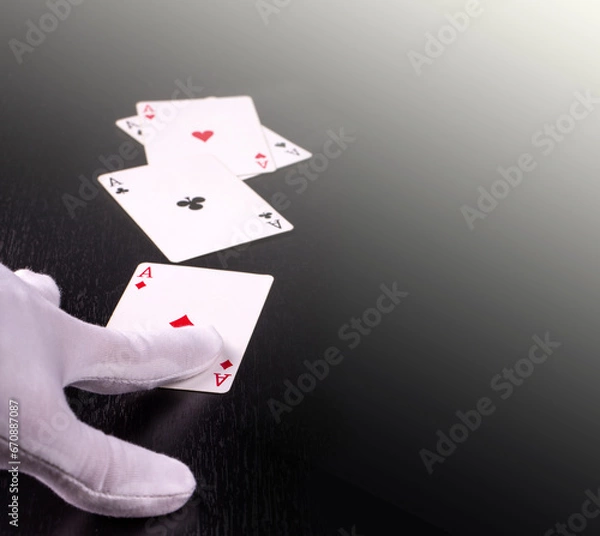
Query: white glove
column 43, row 350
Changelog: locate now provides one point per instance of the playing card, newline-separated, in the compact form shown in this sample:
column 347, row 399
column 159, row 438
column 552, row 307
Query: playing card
column 285, row 153
column 161, row 295
column 193, row 207
column 227, row 128
column 132, row 126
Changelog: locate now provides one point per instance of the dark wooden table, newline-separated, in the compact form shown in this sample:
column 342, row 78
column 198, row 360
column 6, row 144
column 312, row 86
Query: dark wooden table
column 380, row 208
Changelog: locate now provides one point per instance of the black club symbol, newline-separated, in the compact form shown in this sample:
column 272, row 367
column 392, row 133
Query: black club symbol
column 266, row 215
column 122, row 191
column 192, row 204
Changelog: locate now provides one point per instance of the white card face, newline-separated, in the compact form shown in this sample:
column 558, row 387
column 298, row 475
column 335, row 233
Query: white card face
column 227, row 128
column 160, row 295
column 132, row 126
column 193, row 207
column 285, row 153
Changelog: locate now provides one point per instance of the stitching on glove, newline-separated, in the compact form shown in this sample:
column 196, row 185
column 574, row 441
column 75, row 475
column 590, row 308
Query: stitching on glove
column 183, row 375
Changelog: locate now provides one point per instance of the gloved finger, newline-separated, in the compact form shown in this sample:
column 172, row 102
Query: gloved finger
column 110, row 361
column 102, row 474
column 43, row 283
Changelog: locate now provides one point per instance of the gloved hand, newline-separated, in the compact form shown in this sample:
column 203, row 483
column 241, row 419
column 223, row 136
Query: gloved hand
column 43, row 350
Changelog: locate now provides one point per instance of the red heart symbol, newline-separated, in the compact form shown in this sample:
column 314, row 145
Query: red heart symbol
column 150, row 116
column 204, row 136
column 260, row 155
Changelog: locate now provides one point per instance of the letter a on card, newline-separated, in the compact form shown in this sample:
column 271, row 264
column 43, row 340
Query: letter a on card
column 147, row 272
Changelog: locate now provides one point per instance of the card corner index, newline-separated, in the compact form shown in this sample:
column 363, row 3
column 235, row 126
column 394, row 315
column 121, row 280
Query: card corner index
column 105, row 179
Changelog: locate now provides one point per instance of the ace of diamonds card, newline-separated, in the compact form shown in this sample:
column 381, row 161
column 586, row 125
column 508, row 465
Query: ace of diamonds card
column 160, row 295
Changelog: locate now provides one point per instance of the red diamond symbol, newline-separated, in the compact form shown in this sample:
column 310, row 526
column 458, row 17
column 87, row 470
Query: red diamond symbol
column 149, row 112
column 181, row 322
column 226, row 364
column 140, row 285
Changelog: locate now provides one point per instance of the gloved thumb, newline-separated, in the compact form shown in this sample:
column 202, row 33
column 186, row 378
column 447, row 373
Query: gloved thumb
column 102, row 474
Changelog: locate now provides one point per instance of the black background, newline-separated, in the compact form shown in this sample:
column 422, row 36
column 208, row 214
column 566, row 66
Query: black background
column 386, row 211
